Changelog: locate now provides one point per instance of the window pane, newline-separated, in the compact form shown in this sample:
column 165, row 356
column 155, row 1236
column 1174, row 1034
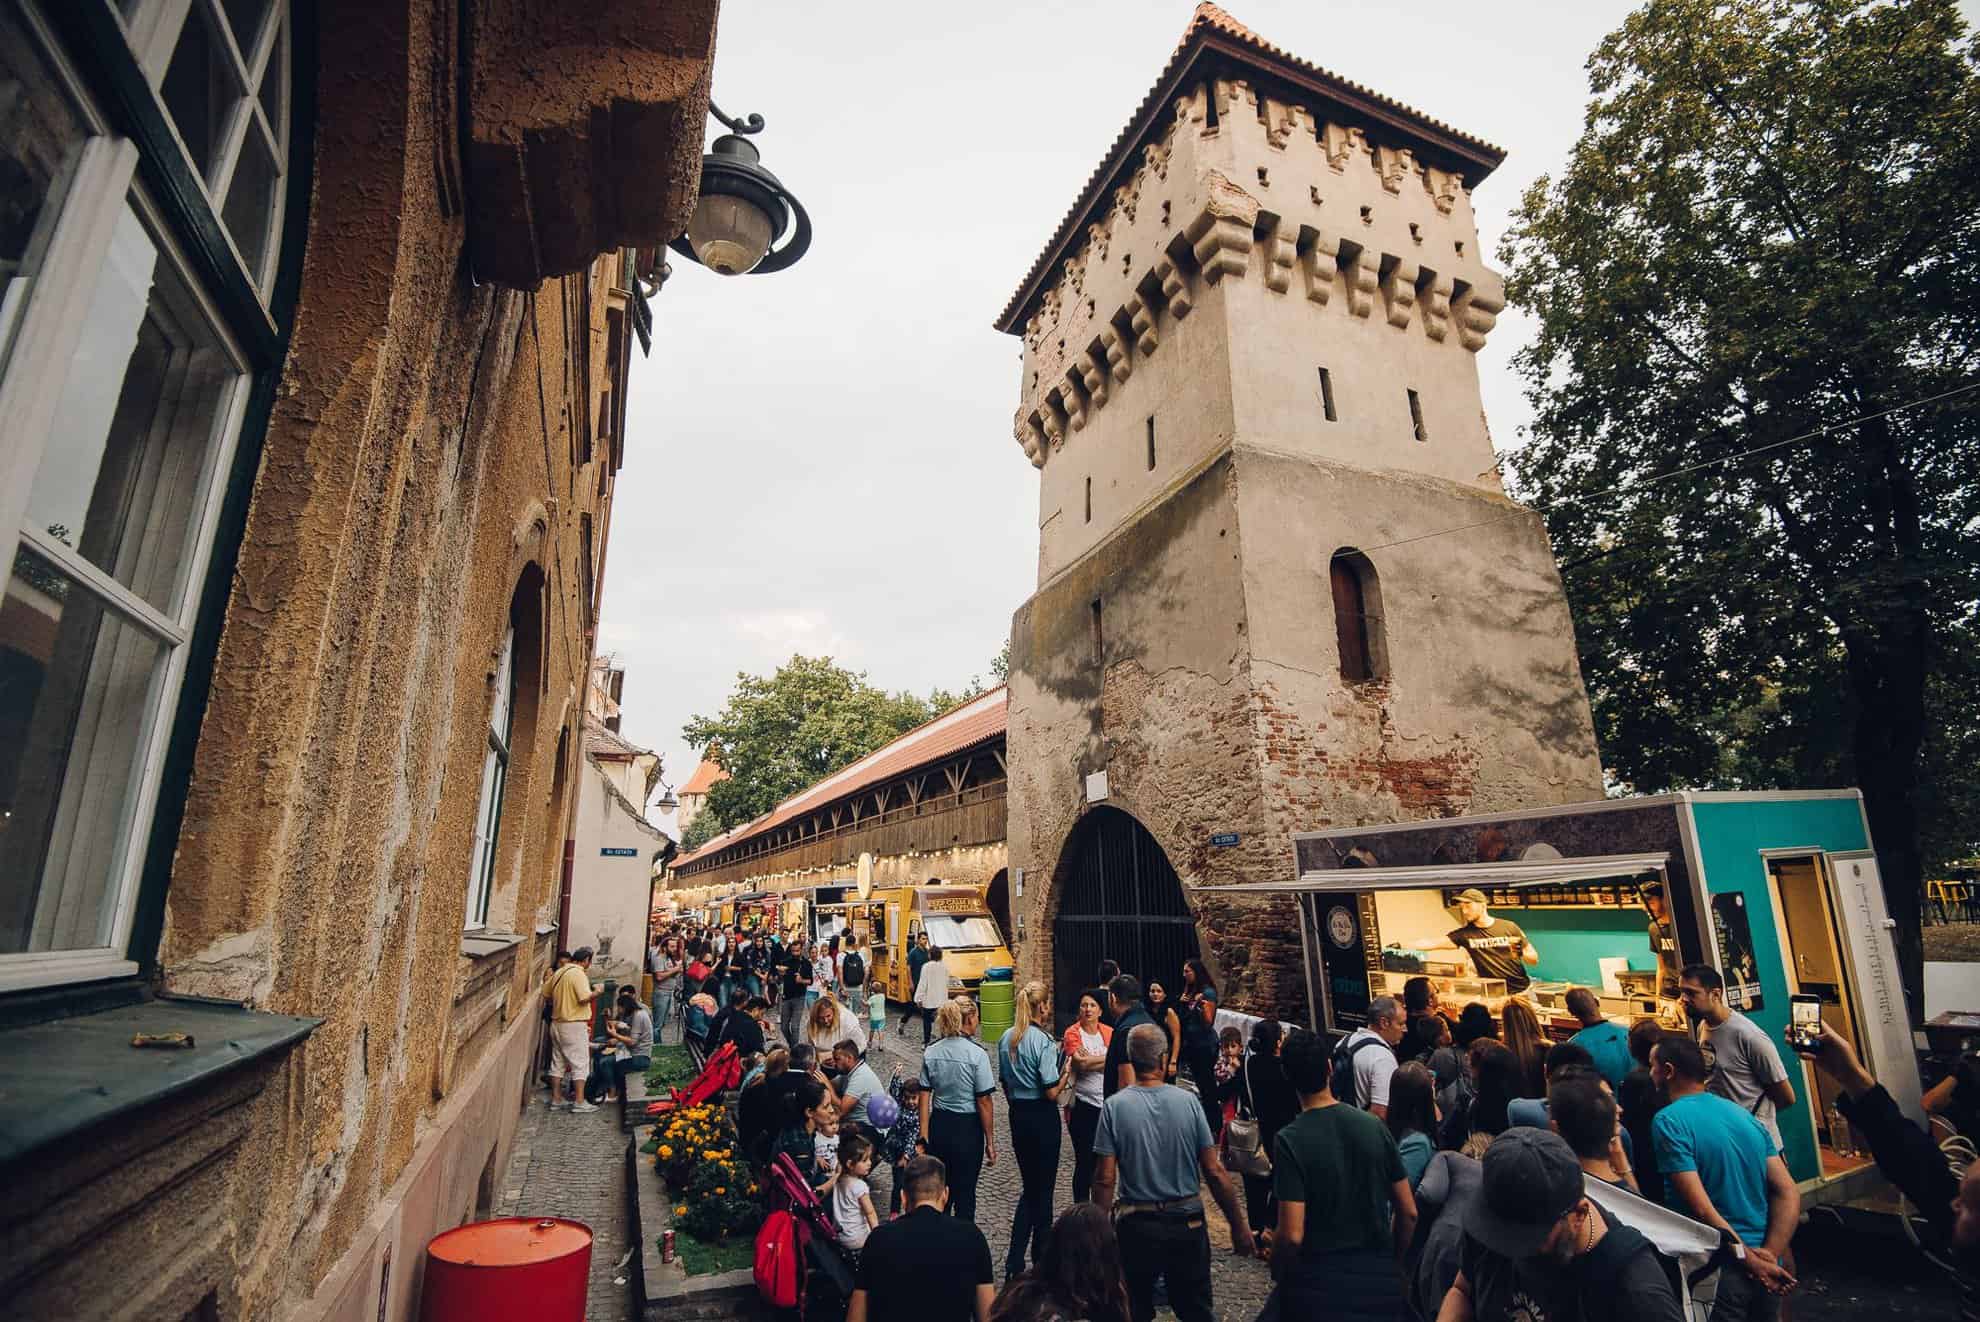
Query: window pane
column 487, row 828
column 77, row 689
column 199, row 92
column 274, row 90
column 41, row 136
column 251, row 200
column 122, row 477
column 244, row 17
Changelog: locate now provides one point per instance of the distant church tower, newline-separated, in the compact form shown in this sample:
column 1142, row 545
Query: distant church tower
column 1279, row 584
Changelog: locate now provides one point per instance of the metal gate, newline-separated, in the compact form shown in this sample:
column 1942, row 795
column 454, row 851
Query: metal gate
column 1120, row 900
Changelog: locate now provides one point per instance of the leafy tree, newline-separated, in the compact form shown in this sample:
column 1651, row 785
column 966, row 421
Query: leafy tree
column 782, row 732
column 1756, row 281
column 701, row 828
column 1000, row 664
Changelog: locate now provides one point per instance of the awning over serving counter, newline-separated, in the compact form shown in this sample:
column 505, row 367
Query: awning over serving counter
column 1524, row 872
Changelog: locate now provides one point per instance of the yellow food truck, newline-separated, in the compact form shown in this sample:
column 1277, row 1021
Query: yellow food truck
column 888, row 919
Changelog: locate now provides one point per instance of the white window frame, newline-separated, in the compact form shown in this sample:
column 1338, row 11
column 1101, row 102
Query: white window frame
column 32, row 379
column 494, row 789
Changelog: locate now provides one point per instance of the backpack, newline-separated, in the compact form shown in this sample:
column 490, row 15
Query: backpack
column 852, row 970
column 779, row 1264
column 1344, row 1088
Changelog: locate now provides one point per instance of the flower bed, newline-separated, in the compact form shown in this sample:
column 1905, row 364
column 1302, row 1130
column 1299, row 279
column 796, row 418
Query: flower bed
column 672, row 1067
column 712, row 1192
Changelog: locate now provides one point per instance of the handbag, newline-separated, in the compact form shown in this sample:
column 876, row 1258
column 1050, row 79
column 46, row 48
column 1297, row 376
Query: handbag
column 1244, row 1143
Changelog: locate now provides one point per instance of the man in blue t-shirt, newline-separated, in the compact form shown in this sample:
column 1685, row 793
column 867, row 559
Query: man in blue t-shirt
column 1606, row 1043
column 1723, row 1168
column 1155, row 1154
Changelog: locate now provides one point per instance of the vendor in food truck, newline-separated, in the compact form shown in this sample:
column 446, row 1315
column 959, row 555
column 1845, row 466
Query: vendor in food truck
column 1498, row 948
column 1663, row 939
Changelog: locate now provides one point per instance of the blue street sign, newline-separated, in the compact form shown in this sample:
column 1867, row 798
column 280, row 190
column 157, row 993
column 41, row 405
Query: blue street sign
column 1224, row 841
column 611, row 852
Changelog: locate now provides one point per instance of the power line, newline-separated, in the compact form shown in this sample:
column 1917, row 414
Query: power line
column 1626, row 487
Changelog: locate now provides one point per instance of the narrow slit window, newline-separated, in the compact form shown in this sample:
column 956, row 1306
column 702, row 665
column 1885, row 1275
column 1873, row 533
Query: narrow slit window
column 1089, row 500
column 1416, row 417
column 1151, row 445
column 1099, row 637
column 1327, row 395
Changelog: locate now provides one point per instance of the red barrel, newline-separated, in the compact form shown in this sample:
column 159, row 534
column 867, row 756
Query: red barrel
column 518, row 1269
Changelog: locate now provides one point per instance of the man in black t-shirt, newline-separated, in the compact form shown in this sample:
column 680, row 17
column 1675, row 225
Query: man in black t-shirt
column 927, row 1266
column 1663, row 941
column 1124, row 994
column 797, row 979
column 1537, row 1249
column 1498, row 949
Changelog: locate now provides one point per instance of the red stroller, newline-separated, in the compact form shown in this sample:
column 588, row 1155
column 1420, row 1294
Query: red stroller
column 722, row 1072
column 799, row 1266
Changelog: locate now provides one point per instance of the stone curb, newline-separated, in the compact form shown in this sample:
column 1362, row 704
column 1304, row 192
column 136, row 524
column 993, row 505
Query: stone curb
column 663, row 1290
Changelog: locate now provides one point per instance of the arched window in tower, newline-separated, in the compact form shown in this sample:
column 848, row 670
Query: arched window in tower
column 1364, row 652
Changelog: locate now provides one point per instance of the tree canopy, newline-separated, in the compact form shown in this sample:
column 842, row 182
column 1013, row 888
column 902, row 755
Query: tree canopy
column 1755, row 441
column 779, row 733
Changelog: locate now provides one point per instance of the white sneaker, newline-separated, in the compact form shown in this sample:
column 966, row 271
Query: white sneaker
column 582, row 1108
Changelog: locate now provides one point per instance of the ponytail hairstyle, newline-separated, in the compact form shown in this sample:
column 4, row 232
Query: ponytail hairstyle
column 1029, row 1001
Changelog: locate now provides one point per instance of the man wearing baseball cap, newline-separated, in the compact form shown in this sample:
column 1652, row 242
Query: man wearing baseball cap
column 1538, row 1250
column 1498, row 949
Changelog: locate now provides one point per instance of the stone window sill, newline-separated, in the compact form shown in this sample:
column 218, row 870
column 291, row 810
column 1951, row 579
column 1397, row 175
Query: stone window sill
column 60, row 1078
column 486, row 945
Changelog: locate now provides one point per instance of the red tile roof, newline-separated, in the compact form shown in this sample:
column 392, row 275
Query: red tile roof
column 704, row 778
column 978, row 721
column 1213, row 32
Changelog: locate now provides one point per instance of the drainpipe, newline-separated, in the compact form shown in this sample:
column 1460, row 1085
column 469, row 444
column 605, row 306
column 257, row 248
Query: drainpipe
column 564, row 895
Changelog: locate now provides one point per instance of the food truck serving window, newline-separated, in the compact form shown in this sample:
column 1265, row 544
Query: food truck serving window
column 957, row 932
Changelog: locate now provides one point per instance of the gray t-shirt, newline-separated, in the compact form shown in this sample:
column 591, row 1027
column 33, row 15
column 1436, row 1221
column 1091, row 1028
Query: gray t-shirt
column 1156, row 1135
column 861, row 1084
column 1744, row 1062
column 641, row 1032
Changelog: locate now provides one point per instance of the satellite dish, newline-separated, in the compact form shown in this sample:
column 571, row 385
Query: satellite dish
column 865, row 875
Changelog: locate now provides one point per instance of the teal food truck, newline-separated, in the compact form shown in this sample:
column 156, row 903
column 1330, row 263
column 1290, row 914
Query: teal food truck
column 1778, row 890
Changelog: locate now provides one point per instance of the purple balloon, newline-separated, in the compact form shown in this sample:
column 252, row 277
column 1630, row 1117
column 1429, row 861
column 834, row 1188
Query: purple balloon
column 882, row 1111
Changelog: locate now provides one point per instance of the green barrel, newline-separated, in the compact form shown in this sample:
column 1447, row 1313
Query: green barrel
column 996, row 1009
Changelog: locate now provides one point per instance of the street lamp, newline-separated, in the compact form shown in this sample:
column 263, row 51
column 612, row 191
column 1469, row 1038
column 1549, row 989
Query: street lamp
column 666, row 802
column 744, row 210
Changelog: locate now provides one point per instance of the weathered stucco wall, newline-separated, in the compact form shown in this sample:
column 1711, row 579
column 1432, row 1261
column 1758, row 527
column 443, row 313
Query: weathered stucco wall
column 1251, row 248
column 611, row 896
column 429, row 462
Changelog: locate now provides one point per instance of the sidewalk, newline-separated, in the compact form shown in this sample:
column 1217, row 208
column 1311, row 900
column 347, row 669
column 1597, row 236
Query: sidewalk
column 575, row 1166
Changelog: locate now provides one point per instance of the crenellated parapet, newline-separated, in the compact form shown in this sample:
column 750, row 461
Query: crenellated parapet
column 1239, row 184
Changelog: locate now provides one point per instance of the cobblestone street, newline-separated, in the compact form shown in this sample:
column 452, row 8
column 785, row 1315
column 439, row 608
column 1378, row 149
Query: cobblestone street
column 574, row 1166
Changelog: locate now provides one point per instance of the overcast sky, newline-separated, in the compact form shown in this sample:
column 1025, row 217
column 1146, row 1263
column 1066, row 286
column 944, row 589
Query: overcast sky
column 820, row 460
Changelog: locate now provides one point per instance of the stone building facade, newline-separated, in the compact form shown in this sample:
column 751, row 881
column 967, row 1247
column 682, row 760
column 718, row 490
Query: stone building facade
column 302, row 611
column 1279, row 584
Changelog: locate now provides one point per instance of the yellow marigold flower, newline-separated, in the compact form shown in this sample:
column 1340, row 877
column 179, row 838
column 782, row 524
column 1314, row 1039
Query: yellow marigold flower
column 666, row 1151
column 681, row 1210
column 720, row 1189
column 707, row 1154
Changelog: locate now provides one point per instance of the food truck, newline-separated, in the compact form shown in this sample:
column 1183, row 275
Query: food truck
column 748, row 910
column 888, row 918
column 1778, row 890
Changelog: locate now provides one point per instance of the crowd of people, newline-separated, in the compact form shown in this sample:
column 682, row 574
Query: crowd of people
column 1438, row 1163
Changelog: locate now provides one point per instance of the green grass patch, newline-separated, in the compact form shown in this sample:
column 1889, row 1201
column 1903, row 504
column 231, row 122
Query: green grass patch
column 671, row 1068
column 699, row 1258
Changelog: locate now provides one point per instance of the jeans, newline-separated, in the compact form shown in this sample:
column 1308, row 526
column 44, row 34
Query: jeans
column 619, row 1070
column 1175, row 1247
column 1260, row 1211
column 1346, row 1283
column 1743, row 1299
column 663, row 1010
column 1083, row 1124
column 854, row 999
column 789, row 1016
column 1035, row 1145
column 927, row 1024
column 957, row 1138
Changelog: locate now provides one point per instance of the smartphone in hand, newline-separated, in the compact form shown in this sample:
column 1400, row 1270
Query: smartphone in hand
column 1804, row 1032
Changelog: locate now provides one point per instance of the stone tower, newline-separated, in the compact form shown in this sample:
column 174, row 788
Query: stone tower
column 1279, row 584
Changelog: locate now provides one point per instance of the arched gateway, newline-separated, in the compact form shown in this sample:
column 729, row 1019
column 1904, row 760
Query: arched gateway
column 1118, row 899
